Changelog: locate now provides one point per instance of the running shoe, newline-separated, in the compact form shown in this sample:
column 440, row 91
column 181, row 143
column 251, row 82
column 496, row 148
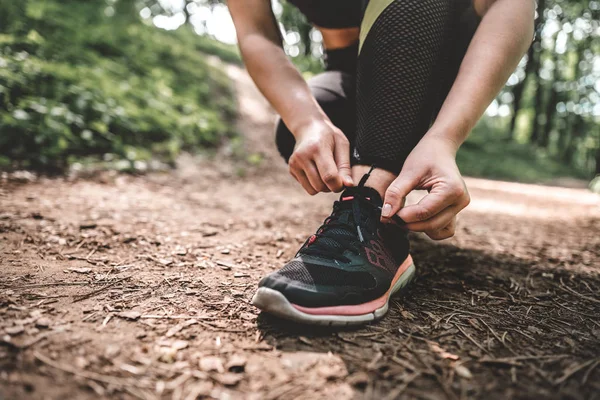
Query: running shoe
column 347, row 271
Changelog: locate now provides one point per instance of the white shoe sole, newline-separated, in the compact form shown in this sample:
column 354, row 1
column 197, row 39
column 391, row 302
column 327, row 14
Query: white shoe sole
column 274, row 302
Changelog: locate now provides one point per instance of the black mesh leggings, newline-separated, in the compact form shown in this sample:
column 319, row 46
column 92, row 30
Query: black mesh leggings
column 410, row 52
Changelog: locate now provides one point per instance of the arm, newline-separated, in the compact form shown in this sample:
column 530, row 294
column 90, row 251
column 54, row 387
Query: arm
column 503, row 36
column 321, row 159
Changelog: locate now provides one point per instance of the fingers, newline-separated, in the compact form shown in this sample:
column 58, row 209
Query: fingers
column 297, row 167
column 436, row 223
column 439, row 198
column 312, row 173
column 328, row 173
column 300, row 176
column 396, row 193
column 322, row 166
column 444, row 233
column 341, row 153
column 436, row 213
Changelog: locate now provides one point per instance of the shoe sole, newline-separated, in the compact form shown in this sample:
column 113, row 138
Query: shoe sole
column 274, row 302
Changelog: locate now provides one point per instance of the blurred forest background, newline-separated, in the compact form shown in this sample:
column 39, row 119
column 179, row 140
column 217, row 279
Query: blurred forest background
column 128, row 82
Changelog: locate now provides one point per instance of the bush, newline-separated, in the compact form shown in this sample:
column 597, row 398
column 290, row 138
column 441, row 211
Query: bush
column 488, row 154
column 81, row 78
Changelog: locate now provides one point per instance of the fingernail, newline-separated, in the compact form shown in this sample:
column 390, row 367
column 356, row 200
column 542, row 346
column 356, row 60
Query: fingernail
column 348, row 180
column 386, row 210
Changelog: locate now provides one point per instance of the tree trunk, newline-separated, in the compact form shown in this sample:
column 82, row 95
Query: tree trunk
column 186, row 12
column 537, row 107
column 305, row 39
column 532, row 61
column 574, row 122
column 576, row 132
column 598, row 158
column 531, row 65
column 550, row 111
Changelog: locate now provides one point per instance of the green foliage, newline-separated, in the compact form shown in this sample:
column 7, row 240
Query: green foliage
column 88, row 78
column 595, row 184
column 226, row 52
column 487, row 154
column 556, row 98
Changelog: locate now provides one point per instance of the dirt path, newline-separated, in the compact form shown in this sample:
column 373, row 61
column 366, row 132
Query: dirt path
column 139, row 287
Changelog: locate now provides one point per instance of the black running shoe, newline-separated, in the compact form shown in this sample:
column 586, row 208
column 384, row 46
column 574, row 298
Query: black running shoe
column 347, row 271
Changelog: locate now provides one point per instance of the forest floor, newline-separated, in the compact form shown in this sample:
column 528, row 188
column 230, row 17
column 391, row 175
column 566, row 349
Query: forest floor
column 127, row 286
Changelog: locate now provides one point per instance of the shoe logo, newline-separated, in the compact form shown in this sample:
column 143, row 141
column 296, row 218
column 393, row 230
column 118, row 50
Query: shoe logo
column 380, row 257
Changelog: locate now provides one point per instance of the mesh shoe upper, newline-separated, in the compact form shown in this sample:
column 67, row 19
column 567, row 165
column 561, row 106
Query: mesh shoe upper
column 351, row 259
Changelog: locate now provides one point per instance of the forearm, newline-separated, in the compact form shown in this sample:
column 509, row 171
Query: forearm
column 280, row 82
column 500, row 41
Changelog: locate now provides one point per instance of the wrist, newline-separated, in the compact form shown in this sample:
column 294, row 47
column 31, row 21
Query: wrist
column 451, row 139
column 313, row 124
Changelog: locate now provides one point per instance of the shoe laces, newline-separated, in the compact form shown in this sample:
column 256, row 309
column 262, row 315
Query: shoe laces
column 355, row 215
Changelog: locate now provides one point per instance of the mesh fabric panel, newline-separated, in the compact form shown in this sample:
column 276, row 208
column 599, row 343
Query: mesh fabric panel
column 399, row 78
column 311, row 274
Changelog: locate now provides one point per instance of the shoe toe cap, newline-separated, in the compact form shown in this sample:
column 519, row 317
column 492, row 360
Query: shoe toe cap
column 311, row 295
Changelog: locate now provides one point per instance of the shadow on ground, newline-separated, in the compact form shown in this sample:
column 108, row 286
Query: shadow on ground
column 523, row 329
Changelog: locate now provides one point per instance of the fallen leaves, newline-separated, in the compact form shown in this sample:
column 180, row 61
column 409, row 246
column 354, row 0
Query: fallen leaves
column 442, row 353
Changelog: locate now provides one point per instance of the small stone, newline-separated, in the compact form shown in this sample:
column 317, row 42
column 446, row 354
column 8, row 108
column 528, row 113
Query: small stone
column 211, row 363
column 88, row 225
column 167, row 355
column 111, row 351
column 132, row 369
column 236, row 364
column 179, row 344
column 79, row 270
column 42, row 323
column 32, row 331
column 463, row 371
column 229, row 378
column 132, row 315
column 224, row 265
column 14, row 330
column 81, row 363
column 358, row 379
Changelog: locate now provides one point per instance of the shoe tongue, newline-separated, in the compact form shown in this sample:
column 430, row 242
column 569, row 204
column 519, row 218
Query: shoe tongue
column 369, row 193
column 347, row 217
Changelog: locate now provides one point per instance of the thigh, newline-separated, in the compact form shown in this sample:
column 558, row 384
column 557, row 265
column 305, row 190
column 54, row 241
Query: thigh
column 335, row 93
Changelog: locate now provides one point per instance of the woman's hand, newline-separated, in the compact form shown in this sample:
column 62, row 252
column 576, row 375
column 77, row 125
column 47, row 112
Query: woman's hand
column 430, row 166
column 321, row 159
